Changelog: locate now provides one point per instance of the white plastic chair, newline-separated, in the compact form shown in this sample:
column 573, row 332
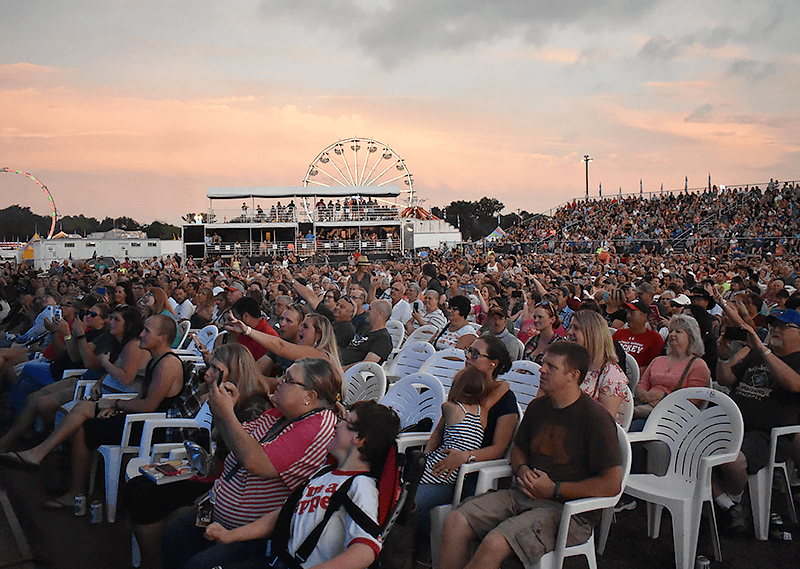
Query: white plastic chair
column 398, row 333
column 524, row 379
column 632, row 371
column 424, row 333
column 625, row 414
column 416, row 397
column 183, row 332
column 409, row 360
column 364, row 381
column 150, row 452
column 698, row 440
column 444, row 365
column 760, row 485
column 112, row 457
column 204, row 337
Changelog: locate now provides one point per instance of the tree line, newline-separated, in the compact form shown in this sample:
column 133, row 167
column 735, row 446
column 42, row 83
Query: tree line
column 478, row 219
column 20, row 224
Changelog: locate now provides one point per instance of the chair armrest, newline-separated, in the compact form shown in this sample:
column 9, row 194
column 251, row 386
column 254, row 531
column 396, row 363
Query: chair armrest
column 465, row 469
column 781, row 431
column 81, row 386
column 162, row 422
column 640, row 438
column 489, row 474
column 121, row 396
column 132, row 418
column 411, row 440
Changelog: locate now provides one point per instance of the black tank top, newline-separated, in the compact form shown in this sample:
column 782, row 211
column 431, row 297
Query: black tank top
column 167, row 402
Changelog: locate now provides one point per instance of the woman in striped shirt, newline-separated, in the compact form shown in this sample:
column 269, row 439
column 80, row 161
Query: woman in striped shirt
column 269, row 458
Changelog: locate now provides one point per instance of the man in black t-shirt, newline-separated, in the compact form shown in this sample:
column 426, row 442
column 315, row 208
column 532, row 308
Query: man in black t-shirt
column 766, row 386
column 566, row 448
column 374, row 345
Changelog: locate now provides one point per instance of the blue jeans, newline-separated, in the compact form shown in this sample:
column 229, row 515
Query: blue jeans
column 428, row 497
column 34, row 376
column 185, row 547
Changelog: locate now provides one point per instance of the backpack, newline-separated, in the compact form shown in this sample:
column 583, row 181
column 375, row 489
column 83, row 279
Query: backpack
column 395, row 525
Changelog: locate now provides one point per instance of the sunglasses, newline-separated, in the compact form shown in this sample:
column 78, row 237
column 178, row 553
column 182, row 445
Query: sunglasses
column 475, row 354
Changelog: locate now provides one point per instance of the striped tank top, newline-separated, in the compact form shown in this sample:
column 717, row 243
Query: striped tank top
column 465, row 435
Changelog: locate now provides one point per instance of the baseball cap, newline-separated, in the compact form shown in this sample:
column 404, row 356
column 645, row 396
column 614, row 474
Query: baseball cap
column 638, row 305
column 236, row 285
column 681, row 299
column 497, row 311
column 788, row 316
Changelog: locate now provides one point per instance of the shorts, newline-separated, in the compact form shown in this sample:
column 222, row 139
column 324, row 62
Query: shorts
column 529, row 526
column 755, row 447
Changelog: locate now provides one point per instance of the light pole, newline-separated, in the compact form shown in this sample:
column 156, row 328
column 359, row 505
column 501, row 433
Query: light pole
column 587, row 159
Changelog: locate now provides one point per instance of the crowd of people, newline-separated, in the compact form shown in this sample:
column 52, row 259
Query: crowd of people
column 346, row 209
column 736, row 220
column 274, row 380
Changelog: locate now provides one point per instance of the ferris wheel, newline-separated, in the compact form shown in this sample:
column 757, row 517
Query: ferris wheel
column 53, row 210
column 359, row 162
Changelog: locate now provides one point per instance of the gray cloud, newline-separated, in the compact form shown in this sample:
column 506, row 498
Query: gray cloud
column 666, row 49
column 395, row 30
column 700, row 114
column 752, row 71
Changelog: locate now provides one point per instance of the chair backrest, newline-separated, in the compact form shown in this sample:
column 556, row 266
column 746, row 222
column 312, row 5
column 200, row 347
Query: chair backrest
column 626, row 455
column 631, row 369
column 524, row 379
column 363, row 381
column 424, row 333
column 697, row 438
column 444, row 365
column 410, row 359
column 204, row 337
column 416, row 397
column 397, row 331
column 183, row 332
column 625, row 413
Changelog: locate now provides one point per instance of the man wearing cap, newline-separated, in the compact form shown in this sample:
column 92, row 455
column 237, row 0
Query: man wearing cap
column 498, row 326
column 765, row 384
column 235, row 292
column 701, row 297
column 643, row 344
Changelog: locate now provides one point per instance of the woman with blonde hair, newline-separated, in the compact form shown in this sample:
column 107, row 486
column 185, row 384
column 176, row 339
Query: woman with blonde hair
column 605, row 381
column 683, row 366
column 315, row 340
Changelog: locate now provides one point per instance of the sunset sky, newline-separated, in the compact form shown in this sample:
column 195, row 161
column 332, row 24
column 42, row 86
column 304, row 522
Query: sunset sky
column 137, row 107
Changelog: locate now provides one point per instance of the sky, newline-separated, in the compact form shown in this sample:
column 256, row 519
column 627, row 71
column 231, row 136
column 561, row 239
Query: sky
column 136, row 108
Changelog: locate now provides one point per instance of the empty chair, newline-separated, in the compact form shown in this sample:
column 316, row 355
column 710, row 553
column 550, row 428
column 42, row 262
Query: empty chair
column 424, row 333
column 524, row 380
column 760, row 485
column 416, row 397
column 205, row 338
column 444, row 365
column 363, row 381
column 398, row 333
column 698, row 440
column 183, row 332
column 409, row 360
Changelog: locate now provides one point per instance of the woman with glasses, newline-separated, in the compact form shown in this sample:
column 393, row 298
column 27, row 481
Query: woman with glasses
column 269, row 458
column 497, row 415
column 149, row 504
column 458, row 333
column 547, row 323
column 683, row 366
column 605, row 381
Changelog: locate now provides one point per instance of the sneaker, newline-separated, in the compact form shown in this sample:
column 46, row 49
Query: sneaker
column 625, row 503
column 734, row 520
